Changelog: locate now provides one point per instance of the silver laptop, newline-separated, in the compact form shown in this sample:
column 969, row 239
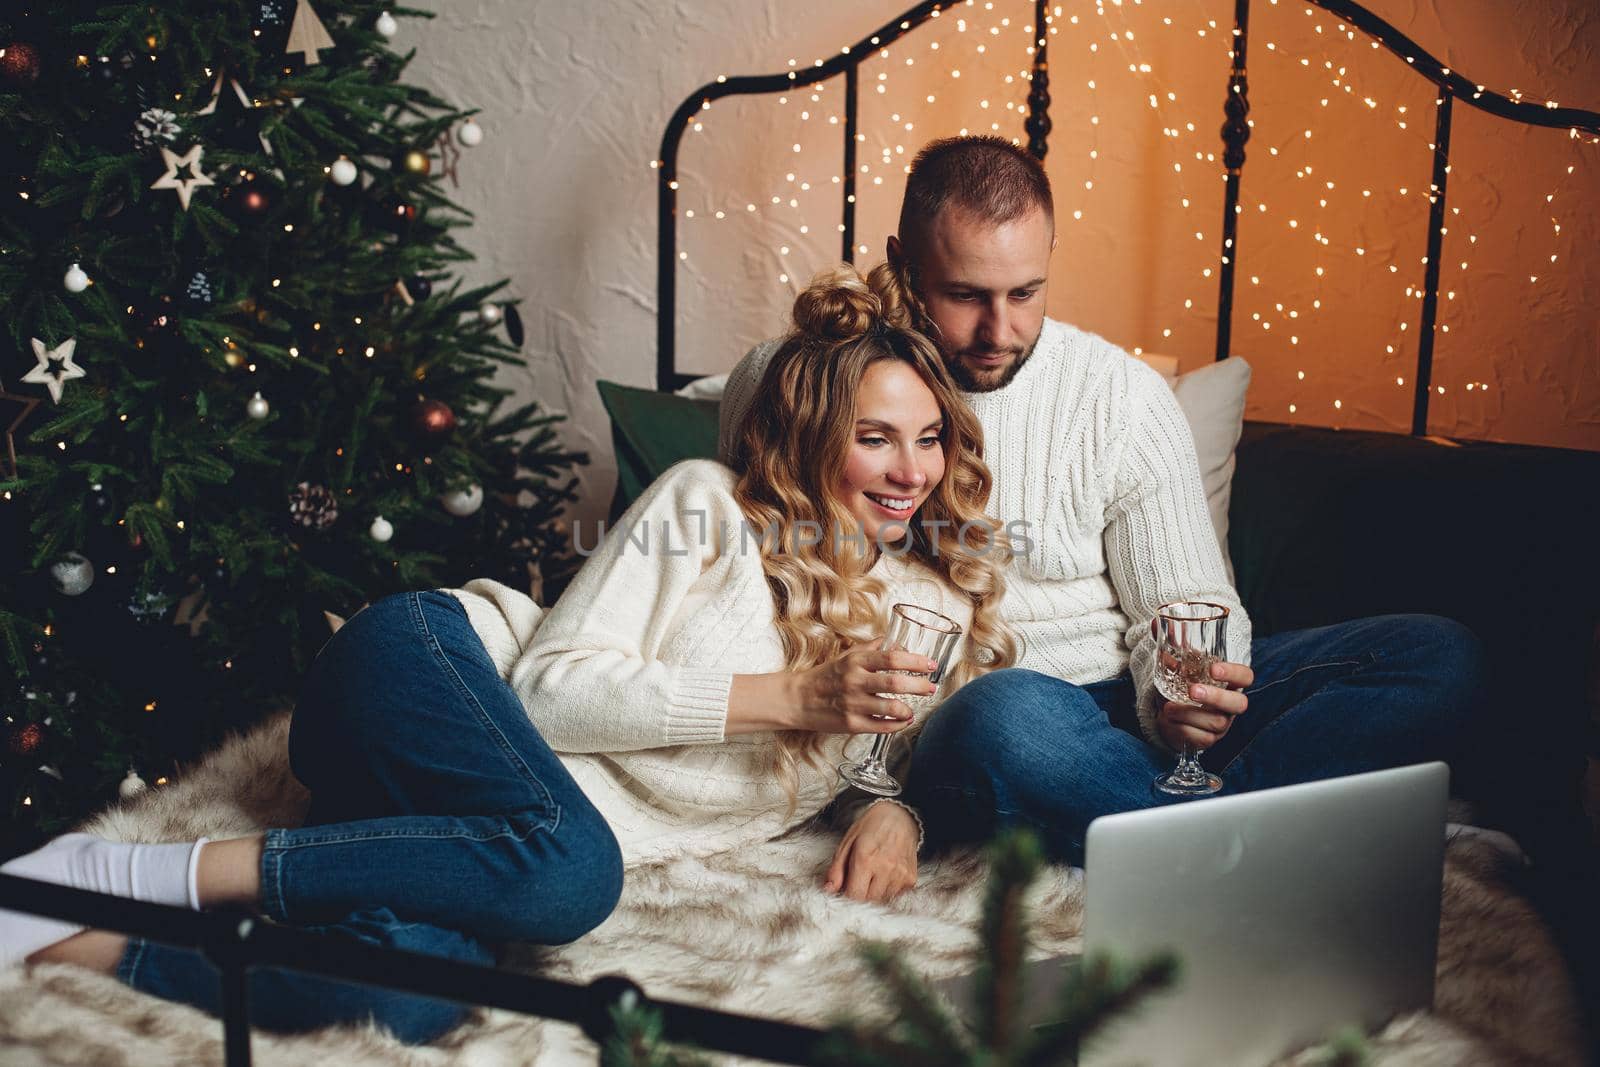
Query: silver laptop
column 1294, row 912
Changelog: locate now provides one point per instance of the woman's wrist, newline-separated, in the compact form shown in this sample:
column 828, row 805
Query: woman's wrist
column 922, row 835
column 760, row 703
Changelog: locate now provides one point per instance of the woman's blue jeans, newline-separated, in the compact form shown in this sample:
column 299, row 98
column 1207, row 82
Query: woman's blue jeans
column 1019, row 748
column 440, row 823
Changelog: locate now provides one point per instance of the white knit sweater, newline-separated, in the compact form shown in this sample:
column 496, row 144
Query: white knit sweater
column 627, row 676
column 1094, row 463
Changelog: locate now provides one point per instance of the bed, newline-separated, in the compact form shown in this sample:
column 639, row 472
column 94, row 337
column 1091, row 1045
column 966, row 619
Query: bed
column 1314, row 521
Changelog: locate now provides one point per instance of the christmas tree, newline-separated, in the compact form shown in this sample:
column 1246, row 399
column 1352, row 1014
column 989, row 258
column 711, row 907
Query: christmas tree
column 241, row 386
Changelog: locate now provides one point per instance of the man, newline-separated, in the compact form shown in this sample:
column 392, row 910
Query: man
column 1092, row 456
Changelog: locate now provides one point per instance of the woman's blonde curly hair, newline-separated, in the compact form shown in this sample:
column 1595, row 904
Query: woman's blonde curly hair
column 792, row 447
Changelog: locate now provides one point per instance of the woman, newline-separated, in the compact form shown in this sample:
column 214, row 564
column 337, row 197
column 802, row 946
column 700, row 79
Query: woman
column 701, row 675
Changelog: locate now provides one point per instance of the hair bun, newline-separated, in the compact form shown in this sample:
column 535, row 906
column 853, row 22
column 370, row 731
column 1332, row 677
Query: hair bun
column 837, row 305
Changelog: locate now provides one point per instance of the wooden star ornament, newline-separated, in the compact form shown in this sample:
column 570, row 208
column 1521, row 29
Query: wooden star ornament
column 450, row 157
column 28, row 404
column 47, row 374
column 185, row 187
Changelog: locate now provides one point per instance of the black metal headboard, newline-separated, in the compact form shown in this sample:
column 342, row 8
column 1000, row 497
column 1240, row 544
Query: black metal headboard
column 1235, row 132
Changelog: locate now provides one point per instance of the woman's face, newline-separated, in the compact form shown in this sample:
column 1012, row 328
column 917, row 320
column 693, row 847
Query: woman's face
column 896, row 456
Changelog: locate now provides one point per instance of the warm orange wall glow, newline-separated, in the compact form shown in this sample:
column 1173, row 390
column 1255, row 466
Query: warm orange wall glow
column 1322, row 309
column 1344, row 225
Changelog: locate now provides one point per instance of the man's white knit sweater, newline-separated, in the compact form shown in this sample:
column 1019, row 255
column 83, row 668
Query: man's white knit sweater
column 627, row 676
column 1094, row 465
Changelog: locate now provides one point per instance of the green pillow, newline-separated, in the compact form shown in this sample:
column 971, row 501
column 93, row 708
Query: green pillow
column 650, row 432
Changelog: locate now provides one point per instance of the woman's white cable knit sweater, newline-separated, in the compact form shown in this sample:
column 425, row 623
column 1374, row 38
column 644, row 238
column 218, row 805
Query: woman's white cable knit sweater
column 627, row 676
column 1094, row 464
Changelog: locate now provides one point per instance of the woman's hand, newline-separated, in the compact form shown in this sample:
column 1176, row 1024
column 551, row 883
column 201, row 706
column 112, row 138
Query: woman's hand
column 837, row 697
column 877, row 859
column 842, row 695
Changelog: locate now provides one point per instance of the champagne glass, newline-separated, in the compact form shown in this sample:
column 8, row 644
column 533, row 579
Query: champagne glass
column 911, row 629
column 1191, row 635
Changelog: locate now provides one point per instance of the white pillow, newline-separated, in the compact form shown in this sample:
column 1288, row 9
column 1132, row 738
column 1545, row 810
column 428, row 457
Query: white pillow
column 1212, row 398
column 707, row 388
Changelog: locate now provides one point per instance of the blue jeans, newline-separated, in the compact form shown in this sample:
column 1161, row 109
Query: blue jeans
column 440, row 822
column 1019, row 748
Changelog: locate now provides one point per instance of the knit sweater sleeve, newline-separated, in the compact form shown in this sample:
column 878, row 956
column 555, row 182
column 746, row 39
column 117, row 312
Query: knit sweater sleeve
column 1159, row 541
column 593, row 679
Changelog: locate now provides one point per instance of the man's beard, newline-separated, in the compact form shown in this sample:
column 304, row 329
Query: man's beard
column 971, row 382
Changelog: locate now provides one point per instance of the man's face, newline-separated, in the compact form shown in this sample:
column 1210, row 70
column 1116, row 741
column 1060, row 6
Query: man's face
column 984, row 287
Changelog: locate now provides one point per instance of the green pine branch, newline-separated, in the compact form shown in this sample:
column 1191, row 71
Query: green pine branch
column 636, row 1040
column 924, row 1031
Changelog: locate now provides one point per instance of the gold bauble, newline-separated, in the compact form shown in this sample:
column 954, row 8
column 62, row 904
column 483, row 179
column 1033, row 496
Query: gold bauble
column 417, row 162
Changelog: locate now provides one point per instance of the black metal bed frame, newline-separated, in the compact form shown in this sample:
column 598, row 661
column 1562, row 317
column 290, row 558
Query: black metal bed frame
column 1235, row 133
column 236, row 941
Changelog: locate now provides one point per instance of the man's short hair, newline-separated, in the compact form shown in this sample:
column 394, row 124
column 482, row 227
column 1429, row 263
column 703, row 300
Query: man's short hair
column 988, row 177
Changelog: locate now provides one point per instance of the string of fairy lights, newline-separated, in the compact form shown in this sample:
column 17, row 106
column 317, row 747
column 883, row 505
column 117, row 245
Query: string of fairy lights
column 966, row 30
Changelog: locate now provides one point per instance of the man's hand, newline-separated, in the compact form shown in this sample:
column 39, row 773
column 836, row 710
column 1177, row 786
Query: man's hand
column 1202, row 727
column 877, row 859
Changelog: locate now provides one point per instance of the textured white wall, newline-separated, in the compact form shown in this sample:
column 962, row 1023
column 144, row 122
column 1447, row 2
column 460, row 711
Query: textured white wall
column 575, row 95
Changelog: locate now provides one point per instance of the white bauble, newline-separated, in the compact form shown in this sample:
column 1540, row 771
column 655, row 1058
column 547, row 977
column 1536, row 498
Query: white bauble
column 72, row 575
column 463, row 502
column 381, row 529
column 343, row 171
column 490, row 313
column 470, row 134
column 75, row 279
column 131, row 786
column 257, row 407
column 386, row 25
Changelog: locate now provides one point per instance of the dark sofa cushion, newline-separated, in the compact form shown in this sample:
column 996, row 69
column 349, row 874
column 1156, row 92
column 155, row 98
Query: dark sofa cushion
column 651, row 431
column 1327, row 525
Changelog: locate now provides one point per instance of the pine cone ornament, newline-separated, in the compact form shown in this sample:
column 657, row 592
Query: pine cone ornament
column 272, row 13
column 313, row 506
column 199, row 293
column 155, row 126
column 148, row 606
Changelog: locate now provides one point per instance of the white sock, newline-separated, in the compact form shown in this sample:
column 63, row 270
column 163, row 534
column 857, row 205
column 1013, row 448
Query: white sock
column 158, row 874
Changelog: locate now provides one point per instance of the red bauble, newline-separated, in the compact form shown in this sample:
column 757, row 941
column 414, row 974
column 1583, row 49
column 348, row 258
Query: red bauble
column 397, row 213
column 24, row 739
column 19, row 64
column 433, row 418
column 252, row 198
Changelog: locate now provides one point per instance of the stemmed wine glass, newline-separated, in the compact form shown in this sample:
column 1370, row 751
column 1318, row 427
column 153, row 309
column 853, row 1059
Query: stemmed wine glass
column 911, row 629
column 1191, row 635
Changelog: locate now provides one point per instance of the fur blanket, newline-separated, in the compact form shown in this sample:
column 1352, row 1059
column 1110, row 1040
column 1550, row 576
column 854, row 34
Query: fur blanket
column 747, row 932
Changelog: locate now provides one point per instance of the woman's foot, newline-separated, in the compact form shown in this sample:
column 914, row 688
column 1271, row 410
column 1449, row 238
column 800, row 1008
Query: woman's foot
column 158, row 874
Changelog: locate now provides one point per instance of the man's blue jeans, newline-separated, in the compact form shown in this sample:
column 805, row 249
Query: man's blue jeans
column 1019, row 748
column 440, row 823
